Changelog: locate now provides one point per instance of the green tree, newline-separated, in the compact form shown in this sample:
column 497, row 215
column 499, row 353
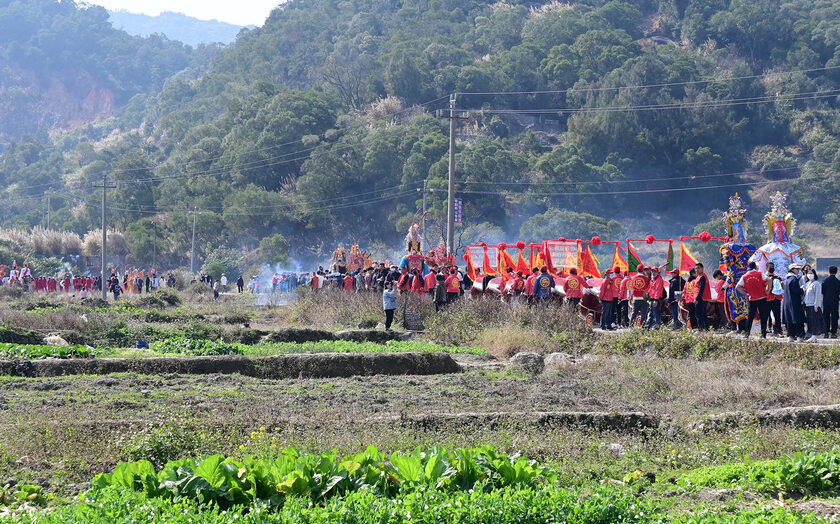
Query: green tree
column 556, row 223
column 274, row 250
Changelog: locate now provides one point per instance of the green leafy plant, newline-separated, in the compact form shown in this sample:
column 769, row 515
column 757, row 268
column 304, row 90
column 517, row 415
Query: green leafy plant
column 197, row 347
column 226, row 482
column 33, row 351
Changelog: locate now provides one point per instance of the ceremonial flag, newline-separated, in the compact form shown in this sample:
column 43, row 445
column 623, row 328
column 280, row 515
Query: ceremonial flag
column 470, row 268
column 589, row 263
column 521, row 265
column 687, row 260
column 486, row 268
column 669, row 264
column 633, row 259
column 505, row 262
column 536, row 257
column 618, row 261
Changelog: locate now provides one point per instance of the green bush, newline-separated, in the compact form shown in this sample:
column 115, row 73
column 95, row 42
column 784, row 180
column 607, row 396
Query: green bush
column 169, row 296
column 162, row 445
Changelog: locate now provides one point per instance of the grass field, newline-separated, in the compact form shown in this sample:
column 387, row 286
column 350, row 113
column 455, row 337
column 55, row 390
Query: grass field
column 57, row 434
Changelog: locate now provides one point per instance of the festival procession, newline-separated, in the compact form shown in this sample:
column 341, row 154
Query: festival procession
column 767, row 290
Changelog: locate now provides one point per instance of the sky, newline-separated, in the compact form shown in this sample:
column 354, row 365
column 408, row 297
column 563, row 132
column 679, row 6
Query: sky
column 242, row 12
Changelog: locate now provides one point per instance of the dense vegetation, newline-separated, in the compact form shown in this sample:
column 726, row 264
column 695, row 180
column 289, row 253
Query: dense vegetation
column 63, row 64
column 319, row 126
column 176, row 26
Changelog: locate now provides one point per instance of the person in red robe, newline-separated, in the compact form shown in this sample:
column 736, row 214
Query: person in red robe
column 417, row 284
column 430, row 280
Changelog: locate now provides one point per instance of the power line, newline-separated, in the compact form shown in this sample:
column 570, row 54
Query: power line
column 676, row 105
column 645, row 86
column 628, row 181
column 626, row 192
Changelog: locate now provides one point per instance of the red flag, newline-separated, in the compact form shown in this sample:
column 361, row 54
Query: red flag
column 470, row 268
column 486, row 268
column 505, row 262
column 687, row 260
column 618, row 261
column 521, row 265
column 589, row 264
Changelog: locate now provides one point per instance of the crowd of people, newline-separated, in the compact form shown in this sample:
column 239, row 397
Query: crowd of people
column 800, row 302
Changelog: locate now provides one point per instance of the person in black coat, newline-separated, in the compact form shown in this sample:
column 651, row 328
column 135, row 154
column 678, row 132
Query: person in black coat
column 792, row 304
column 831, row 302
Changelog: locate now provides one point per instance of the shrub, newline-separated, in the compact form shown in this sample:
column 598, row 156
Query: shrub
column 169, row 296
column 164, row 444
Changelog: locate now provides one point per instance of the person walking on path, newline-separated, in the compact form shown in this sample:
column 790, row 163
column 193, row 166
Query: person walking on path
column 543, row 286
column 754, row 284
column 774, row 298
column 656, row 291
column 831, row 302
column 675, row 291
column 573, row 287
column 813, row 299
column 389, row 304
column 240, row 284
column 792, row 304
column 606, row 295
column 704, row 295
column 639, row 286
column 439, row 291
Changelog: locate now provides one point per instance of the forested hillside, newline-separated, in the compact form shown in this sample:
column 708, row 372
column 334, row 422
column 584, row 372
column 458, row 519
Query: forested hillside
column 320, row 125
column 176, row 26
column 62, row 65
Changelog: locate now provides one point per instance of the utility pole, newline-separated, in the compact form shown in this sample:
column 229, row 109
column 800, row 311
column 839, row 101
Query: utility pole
column 154, row 245
column 450, row 214
column 192, row 251
column 48, row 209
column 425, row 240
column 105, row 187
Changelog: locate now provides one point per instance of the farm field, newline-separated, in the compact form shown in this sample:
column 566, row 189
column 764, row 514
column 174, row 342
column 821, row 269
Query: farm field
column 636, row 427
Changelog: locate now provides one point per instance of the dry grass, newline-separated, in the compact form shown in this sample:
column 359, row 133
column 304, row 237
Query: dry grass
column 92, row 243
column 503, row 328
column 671, row 386
column 42, row 241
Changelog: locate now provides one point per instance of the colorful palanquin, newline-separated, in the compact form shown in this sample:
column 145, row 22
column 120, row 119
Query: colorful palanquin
column 734, row 258
column 780, row 227
column 340, row 259
column 414, row 259
column 358, row 259
column 440, row 256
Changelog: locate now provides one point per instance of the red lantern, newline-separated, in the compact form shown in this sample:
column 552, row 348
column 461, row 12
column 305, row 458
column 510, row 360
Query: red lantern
column 520, row 245
column 705, row 236
column 650, row 239
column 596, row 241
